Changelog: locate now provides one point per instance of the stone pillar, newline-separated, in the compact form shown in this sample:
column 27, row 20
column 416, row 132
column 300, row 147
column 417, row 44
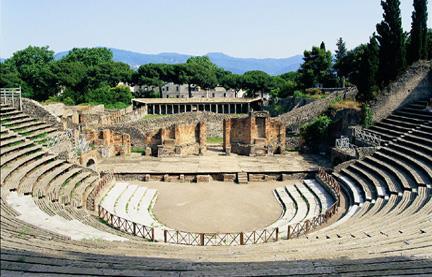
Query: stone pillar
column 229, row 108
column 160, row 109
column 202, row 137
column 223, row 108
column 227, row 136
column 217, row 108
column 248, row 108
column 106, row 134
column 235, row 108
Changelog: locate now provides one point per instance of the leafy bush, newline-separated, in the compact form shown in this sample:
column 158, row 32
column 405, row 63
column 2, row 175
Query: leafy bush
column 313, row 91
column 367, row 116
column 301, row 95
column 316, row 132
column 110, row 96
column 68, row 101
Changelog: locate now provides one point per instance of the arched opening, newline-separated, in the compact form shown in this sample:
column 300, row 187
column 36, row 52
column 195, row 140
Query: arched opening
column 91, row 164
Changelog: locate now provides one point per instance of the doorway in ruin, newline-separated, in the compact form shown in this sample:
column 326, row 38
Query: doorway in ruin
column 260, row 122
column 91, row 164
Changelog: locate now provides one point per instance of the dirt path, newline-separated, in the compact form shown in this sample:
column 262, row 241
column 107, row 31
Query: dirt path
column 216, row 206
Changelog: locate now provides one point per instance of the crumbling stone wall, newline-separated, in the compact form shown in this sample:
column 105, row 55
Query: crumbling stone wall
column 105, row 143
column 36, row 110
column 180, row 140
column 297, row 117
column 415, row 84
column 143, row 131
column 258, row 134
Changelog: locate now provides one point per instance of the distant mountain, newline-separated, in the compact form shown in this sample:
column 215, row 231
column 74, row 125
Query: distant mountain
column 233, row 64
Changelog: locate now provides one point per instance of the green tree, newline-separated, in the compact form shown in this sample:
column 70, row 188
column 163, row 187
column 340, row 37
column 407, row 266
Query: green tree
column 110, row 73
column 232, row 81
column 33, row 66
column 418, row 48
column 9, row 76
column 391, row 40
column 341, row 53
column 349, row 66
column 257, row 82
column 89, row 56
column 316, row 68
column 111, row 97
column 429, row 44
column 367, row 82
column 199, row 71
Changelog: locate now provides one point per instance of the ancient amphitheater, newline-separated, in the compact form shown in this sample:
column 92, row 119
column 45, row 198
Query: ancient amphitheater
column 209, row 209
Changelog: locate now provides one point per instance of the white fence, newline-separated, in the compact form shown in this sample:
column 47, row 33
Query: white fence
column 11, row 96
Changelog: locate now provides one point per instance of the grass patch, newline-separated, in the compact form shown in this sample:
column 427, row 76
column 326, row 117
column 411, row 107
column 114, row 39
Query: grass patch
column 138, row 149
column 215, row 140
column 154, row 116
column 15, row 143
column 346, row 104
column 303, row 95
column 41, row 136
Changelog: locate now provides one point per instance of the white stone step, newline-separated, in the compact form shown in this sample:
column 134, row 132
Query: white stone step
column 74, row 229
column 326, row 198
column 358, row 198
column 314, row 205
column 302, row 208
column 134, row 202
column 122, row 202
column 108, row 202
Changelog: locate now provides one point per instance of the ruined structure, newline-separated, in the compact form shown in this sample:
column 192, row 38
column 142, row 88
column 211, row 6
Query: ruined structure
column 177, row 139
column 257, row 134
column 104, row 144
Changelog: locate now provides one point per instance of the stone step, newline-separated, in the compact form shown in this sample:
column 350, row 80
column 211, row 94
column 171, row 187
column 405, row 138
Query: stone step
column 242, row 178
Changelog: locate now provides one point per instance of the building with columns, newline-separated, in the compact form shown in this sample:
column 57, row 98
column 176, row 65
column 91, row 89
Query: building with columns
column 183, row 105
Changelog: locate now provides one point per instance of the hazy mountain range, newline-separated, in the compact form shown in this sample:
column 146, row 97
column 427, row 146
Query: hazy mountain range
column 233, row 64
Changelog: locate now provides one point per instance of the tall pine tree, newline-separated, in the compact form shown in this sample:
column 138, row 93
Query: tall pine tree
column 369, row 65
column 391, row 40
column 418, row 48
column 341, row 53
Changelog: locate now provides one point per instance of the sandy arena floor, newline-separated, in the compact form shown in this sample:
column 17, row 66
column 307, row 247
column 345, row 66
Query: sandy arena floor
column 216, row 206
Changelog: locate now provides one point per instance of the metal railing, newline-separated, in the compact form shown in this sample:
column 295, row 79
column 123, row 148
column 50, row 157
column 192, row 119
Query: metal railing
column 125, row 225
column 367, row 137
column 11, row 96
column 221, row 239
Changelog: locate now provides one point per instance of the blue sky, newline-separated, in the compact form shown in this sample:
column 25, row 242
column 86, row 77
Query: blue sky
column 242, row 28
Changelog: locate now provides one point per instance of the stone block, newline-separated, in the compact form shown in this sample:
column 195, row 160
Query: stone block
column 229, row 177
column 203, row 178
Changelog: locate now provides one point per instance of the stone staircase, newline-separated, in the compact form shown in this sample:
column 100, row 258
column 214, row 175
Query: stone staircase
column 242, row 178
column 23, row 124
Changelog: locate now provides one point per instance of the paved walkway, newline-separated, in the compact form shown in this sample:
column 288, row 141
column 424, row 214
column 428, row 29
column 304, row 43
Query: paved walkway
column 213, row 162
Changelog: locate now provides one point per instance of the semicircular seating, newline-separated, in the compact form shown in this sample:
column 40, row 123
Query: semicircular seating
column 385, row 230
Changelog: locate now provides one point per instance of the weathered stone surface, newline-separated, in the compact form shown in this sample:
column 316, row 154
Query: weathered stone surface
column 414, row 84
column 257, row 135
column 203, row 178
